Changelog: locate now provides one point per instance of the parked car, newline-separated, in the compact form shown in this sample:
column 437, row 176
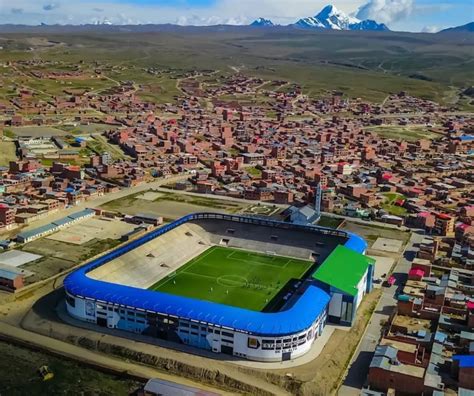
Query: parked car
column 390, row 281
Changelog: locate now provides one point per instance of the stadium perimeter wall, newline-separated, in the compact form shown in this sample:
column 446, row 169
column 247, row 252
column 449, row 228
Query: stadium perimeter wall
column 253, row 335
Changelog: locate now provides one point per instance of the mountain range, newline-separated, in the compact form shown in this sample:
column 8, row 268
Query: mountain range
column 329, row 18
column 262, row 22
column 469, row 27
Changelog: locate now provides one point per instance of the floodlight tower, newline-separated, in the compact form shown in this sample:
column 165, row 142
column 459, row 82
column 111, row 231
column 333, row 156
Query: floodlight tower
column 317, row 200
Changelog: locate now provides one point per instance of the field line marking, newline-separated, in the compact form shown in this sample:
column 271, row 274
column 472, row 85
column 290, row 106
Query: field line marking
column 196, row 259
column 180, row 269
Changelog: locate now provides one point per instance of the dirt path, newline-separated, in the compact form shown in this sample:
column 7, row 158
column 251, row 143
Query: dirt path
column 90, row 358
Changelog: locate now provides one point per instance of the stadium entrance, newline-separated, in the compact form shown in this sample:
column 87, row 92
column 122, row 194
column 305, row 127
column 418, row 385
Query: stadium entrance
column 227, row 350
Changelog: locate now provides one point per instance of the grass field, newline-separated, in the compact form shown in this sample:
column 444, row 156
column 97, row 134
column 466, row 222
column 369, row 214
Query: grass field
column 390, row 206
column 370, row 65
column 234, row 277
column 7, row 153
column 19, row 376
column 408, row 133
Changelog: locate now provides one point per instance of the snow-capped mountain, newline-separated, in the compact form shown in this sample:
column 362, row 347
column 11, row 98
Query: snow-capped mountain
column 369, row 24
column 104, row 21
column 331, row 18
column 262, row 22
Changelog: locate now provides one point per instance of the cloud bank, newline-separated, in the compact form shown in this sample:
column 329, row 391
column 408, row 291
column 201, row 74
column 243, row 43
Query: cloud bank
column 386, row 11
column 397, row 14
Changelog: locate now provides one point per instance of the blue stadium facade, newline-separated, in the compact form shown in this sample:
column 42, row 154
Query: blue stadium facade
column 273, row 336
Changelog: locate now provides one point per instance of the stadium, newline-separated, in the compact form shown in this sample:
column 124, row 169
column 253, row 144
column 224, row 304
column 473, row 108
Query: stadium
column 248, row 287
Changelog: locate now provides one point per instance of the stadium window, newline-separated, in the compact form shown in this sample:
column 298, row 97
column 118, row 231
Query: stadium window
column 252, row 343
column 217, row 331
column 184, row 331
column 194, row 327
column 227, row 334
column 286, row 340
column 184, row 324
column 302, row 336
column 194, row 333
column 203, row 328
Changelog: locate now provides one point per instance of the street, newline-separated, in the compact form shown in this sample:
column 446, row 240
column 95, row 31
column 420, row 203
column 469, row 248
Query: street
column 359, row 367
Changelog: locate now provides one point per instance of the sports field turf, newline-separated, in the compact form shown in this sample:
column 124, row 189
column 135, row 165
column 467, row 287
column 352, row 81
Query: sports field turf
column 233, row 277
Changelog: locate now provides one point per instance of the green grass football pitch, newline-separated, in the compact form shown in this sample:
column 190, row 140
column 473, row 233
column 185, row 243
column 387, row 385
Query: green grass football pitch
column 233, row 277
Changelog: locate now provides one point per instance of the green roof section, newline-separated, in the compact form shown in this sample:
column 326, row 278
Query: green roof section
column 343, row 269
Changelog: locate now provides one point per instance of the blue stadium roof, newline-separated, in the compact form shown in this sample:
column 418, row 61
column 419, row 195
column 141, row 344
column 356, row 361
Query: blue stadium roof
column 356, row 243
column 299, row 317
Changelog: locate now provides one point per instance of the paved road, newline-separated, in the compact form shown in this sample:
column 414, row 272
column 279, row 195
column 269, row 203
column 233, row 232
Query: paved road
column 359, row 366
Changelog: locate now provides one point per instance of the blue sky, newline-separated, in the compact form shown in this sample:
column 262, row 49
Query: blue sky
column 410, row 15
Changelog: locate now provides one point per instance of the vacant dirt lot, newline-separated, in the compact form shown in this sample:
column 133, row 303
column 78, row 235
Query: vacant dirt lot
column 171, row 206
column 38, row 131
column 94, row 228
column 58, row 256
column 371, row 232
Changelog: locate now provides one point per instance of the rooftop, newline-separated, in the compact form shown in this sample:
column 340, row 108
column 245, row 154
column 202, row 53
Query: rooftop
column 343, row 269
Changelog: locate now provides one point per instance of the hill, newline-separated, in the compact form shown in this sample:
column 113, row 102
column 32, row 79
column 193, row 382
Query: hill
column 358, row 63
column 469, row 27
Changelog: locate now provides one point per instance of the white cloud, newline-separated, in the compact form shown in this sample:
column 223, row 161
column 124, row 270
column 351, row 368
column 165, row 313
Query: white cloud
column 431, row 29
column 223, row 11
column 238, row 12
column 386, row 11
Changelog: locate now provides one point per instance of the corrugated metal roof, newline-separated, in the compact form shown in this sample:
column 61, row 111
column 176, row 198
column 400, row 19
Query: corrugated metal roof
column 62, row 221
column 82, row 213
column 37, row 231
column 8, row 274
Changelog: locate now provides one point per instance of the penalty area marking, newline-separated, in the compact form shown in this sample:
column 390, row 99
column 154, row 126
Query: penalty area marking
column 232, row 281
